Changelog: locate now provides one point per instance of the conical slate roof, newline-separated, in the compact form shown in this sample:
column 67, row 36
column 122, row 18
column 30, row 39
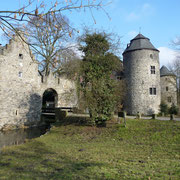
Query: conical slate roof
column 164, row 71
column 138, row 43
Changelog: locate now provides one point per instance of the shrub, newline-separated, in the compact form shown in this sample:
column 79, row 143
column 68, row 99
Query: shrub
column 173, row 109
column 163, row 108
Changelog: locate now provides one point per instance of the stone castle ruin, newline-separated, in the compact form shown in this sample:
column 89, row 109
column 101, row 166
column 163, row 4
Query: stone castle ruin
column 24, row 90
column 22, row 87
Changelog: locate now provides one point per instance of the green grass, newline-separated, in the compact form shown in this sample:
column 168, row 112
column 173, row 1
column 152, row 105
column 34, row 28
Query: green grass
column 145, row 149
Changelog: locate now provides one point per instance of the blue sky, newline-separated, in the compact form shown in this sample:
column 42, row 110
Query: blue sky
column 157, row 19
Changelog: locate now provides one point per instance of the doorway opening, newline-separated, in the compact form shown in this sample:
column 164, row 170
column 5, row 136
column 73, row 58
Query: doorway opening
column 50, row 98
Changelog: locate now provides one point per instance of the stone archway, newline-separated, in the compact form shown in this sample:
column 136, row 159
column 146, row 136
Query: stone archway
column 50, row 98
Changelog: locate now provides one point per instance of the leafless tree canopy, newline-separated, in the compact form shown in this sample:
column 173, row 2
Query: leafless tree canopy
column 46, row 29
column 174, row 66
column 176, row 43
column 41, row 8
column 49, row 37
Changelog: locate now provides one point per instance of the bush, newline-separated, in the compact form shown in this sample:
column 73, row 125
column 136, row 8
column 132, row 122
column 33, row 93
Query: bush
column 163, row 108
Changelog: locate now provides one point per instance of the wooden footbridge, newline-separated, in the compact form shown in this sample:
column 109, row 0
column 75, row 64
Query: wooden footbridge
column 52, row 111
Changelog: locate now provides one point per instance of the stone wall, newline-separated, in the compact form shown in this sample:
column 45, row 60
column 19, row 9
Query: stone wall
column 21, row 87
column 139, row 80
column 64, row 87
column 168, row 90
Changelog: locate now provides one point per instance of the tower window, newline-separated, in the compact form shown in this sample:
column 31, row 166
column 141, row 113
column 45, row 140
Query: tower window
column 16, row 112
column 167, row 88
column 151, row 56
column 20, row 56
column 169, row 99
column 152, row 69
column 20, row 74
column 152, row 91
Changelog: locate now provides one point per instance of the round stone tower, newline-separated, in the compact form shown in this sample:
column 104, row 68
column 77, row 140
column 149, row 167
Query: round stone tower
column 142, row 76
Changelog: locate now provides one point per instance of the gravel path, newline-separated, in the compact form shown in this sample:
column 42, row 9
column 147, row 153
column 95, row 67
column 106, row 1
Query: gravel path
column 131, row 117
column 159, row 118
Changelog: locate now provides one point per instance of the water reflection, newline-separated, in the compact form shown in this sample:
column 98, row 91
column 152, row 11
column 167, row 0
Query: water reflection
column 18, row 136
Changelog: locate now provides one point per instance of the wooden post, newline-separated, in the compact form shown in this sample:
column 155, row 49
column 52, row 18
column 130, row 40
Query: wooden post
column 138, row 116
column 122, row 114
column 154, row 116
column 171, row 116
column 57, row 114
column 124, row 118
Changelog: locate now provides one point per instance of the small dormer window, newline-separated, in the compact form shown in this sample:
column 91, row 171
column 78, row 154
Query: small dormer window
column 20, row 56
column 20, row 74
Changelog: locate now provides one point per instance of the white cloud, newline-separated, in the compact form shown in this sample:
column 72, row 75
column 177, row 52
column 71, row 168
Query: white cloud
column 143, row 11
column 167, row 55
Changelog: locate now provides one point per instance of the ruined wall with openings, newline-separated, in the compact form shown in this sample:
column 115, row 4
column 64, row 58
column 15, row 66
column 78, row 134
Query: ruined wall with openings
column 21, row 86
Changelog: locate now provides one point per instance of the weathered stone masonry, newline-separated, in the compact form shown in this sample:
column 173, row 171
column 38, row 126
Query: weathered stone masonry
column 142, row 77
column 168, row 87
column 21, row 86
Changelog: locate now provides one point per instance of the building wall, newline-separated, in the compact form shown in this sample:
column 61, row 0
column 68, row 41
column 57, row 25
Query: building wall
column 64, row 87
column 21, row 87
column 168, row 90
column 138, row 77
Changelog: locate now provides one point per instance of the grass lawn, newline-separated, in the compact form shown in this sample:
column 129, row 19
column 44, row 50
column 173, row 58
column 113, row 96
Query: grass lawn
column 145, row 149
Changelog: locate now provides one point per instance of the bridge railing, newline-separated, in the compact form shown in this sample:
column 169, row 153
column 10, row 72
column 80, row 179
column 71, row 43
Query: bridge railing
column 52, row 110
column 48, row 110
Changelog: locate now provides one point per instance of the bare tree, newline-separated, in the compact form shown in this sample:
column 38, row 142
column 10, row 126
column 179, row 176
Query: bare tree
column 49, row 37
column 176, row 43
column 38, row 8
column 174, row 66
column 49, row 30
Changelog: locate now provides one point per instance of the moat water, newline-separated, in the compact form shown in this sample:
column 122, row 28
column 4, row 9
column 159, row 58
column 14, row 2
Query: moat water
column 19, row 136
